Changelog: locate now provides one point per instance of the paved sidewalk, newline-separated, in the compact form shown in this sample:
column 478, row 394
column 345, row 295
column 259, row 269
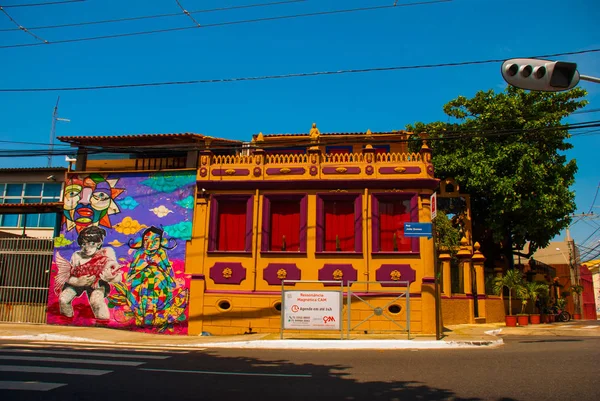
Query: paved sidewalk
column 458, row 336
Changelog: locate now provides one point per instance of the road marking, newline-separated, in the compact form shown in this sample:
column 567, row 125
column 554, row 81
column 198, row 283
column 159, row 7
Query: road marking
column 84, row 353
column 61, row 371
column 69, row 360
column 31, row 386
column 207, row 372
column 590, row 327
column 150, row 348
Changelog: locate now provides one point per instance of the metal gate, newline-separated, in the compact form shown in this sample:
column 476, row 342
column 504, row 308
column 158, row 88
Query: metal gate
column 397, row 290
column 24, row 278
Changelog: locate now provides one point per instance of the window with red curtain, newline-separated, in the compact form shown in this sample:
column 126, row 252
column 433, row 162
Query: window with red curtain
column 231, row 226
column 339, row 225
column 285, row 226
column 392, row 216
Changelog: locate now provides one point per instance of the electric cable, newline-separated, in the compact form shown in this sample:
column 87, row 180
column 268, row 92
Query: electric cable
column 283, row 76
column 227, row 23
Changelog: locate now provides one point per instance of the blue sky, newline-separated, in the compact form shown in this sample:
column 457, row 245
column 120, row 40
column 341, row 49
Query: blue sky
column 460, row 30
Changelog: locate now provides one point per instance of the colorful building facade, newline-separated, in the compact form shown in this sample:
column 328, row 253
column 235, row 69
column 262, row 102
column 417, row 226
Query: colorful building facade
column 206, row 250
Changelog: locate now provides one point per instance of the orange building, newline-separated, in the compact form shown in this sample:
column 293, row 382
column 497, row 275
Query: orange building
column 314, row 207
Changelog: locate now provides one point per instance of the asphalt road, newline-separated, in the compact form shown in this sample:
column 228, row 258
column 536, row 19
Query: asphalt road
column 525, row 368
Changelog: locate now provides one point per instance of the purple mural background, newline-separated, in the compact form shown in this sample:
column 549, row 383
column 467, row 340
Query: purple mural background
column 134, row 276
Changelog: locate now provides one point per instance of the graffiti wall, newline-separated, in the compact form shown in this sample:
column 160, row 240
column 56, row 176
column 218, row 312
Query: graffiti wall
column 120, row 258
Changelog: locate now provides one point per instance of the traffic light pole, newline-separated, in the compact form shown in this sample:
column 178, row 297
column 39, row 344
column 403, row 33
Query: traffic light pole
column 589, row 79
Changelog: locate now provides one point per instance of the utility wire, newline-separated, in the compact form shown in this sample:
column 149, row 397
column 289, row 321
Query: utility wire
column 51, row 3
column 167, row 15
column 185, row 147
column 282, row 76
column 186, row 12
column 22, row 28
column 594, row 201
column 248, row 21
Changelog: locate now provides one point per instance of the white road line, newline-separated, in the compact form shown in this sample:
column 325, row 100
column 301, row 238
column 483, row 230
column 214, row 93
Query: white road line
column 31, row 386
column 590, row 327
column 69, row 360
column 84, row 353
column 61, row 371
column 207, row 372
column 149, row 348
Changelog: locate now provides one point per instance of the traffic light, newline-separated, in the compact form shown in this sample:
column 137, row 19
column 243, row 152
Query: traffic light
column 540, row 75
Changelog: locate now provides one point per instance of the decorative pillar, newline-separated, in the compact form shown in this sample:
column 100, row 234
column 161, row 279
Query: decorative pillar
column 464, row 257
column 445, row 258
column 427, row 261
column 478, row 260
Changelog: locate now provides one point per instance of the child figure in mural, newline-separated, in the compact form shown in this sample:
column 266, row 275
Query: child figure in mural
column 91, row 270
column 150, row 293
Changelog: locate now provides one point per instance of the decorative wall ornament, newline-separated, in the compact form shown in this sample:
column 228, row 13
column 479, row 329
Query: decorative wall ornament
column 228, row 273
column 284, row 170
column 204, row 160
column 430, row 170
column 341, row 170
column 275, row 272
column 230, row 171
column 400, row 169
column 313, row 159
column 343, row 272
column 386, row 272
column 369, row 158
column 313, row 170
column 203, row 172
column 369, row 170
column 257, row 171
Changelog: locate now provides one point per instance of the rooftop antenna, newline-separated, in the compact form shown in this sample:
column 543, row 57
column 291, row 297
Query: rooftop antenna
column 55, row 118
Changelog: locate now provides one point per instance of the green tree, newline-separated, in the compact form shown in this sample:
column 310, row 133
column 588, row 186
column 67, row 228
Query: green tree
column 506, row 150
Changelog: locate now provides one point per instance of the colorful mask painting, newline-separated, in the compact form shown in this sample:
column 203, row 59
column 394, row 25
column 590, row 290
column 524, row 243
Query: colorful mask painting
column 120, row 259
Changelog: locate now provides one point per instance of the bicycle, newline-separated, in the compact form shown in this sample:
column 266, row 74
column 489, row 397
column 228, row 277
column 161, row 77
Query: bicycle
column 562, row 315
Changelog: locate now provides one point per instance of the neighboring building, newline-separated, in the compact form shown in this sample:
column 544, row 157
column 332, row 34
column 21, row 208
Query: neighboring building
column 593, row 295
column 198, row 233
column 31, row 201
column 30, row 214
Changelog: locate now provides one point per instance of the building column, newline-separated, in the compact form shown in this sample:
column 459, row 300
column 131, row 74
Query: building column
column 464, row 257
column 428, row 280
column 478, row 260
column 445, row 258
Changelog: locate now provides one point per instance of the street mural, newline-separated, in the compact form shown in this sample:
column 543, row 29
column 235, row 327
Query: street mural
column 120, row 258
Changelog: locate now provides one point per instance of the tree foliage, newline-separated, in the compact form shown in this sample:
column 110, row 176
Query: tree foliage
column 506, row 151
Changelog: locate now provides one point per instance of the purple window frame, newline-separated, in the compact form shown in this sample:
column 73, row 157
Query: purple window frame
column 214, row 220
column 414, row 217
column 301, row 198
column 358, row 234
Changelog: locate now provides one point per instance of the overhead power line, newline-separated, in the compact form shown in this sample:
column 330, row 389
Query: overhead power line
column 293, row 141
column 156, row 16
column 50, row 3
column 186, row 12
column 226, row 23
column 282, row 76
column 21, row 27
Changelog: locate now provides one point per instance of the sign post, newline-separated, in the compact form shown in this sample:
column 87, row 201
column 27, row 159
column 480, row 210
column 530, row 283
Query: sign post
column 311, row 309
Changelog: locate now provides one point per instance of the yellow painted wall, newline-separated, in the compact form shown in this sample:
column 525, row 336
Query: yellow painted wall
column 253, row 299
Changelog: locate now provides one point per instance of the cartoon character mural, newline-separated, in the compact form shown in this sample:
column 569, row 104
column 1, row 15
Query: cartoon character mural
column 120, row 257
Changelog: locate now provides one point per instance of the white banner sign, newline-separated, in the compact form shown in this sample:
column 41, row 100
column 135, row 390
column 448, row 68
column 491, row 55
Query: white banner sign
column 312, row 310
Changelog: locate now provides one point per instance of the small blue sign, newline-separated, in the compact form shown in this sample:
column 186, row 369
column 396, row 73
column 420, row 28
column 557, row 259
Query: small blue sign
column 417, row 230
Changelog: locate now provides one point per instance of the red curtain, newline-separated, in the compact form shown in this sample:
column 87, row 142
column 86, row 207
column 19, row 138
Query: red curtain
column 339, row 226
column 232, row 226
column 285, row 226
column 392, row 216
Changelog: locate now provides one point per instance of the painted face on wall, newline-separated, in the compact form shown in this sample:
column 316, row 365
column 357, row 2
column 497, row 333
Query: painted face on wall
column 90, row 201
column 151, row 241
